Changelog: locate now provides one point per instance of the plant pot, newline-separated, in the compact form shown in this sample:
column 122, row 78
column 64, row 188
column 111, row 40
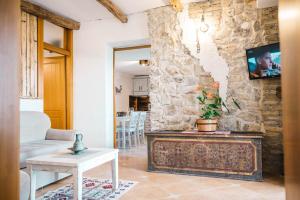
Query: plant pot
column 207, row 125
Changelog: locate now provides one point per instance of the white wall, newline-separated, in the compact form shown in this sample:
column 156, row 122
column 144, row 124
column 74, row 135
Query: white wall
column 122, row 99
column 31, row 105
column 93, row 74
column 209, row 56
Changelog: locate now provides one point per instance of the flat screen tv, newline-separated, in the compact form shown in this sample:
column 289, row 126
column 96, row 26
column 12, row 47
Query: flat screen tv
column 264, row 61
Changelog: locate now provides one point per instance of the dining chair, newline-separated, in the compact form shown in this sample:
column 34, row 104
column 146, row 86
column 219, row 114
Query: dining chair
column 141, row 127
column 134, row 117
column 130, row 130
column 122, row 122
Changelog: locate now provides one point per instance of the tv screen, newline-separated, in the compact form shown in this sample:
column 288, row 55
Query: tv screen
column 264, row 61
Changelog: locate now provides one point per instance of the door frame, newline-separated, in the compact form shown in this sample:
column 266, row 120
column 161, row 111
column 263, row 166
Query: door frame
column 67, row 51
column 114, row 91
column 290, row 46
column 10, row 62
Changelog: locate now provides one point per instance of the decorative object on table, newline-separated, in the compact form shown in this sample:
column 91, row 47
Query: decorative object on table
column 207, row 125
column 118, row 89
column 211, row 107
column 78, row 146
column 93, row 189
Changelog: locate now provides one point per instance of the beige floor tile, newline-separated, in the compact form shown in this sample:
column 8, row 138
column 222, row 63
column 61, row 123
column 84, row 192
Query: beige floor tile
column 163, row 186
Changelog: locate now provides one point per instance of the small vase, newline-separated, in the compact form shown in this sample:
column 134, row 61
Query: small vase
column 207, row 125
column 78, row 145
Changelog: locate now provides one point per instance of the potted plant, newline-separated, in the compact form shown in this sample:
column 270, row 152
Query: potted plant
column 211, row 108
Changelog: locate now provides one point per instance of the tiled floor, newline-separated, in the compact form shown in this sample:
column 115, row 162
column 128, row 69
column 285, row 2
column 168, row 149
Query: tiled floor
column 158, row 186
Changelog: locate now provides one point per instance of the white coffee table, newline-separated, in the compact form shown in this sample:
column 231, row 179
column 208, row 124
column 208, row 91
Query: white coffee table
column 65, row 162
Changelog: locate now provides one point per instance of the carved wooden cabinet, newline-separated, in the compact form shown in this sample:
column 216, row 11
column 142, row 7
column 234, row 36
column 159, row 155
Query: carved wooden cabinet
column 237, row 155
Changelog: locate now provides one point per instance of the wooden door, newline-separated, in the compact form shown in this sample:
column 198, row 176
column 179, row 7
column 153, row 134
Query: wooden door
column 289, row 19
column 9, row 98
column 55, row 91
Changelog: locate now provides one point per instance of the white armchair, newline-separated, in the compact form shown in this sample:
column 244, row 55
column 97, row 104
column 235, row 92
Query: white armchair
column 37, row 138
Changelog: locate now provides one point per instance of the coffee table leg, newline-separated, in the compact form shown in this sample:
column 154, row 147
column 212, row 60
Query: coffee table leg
column 115, row 172
column 77, row 181
column 32, row 183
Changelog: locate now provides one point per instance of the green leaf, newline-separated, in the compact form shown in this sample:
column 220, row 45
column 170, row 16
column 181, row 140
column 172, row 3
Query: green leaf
column 212, row 105
column 201, row 99
column 217, row 113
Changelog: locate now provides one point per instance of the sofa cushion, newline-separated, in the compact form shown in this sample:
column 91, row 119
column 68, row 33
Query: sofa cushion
column 58, row 134
column 41, row 147
column 33, row 126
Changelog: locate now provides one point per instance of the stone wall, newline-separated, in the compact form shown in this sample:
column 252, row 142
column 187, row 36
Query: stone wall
column 239, row 25
column 174, row 72
column 271, row 102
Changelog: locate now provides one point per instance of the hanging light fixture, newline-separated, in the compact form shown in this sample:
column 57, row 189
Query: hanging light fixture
column 144, row 63
column 203, row 25
column 198, row 42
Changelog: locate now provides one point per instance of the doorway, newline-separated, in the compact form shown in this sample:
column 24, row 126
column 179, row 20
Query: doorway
column 55, row 73
column 131, row 93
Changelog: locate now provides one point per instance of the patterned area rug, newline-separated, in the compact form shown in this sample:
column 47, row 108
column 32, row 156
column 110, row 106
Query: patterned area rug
column 92, row 189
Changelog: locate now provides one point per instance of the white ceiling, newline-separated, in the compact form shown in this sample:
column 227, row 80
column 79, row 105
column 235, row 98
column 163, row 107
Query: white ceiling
column 87, row 10
column 128, row 61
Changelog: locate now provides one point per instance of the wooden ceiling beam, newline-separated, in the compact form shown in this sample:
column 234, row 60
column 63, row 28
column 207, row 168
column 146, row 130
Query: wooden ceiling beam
column 177, row 5
column 49, row 16
column 115, row 10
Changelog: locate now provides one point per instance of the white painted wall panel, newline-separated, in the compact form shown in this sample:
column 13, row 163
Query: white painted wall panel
column 93, row 74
